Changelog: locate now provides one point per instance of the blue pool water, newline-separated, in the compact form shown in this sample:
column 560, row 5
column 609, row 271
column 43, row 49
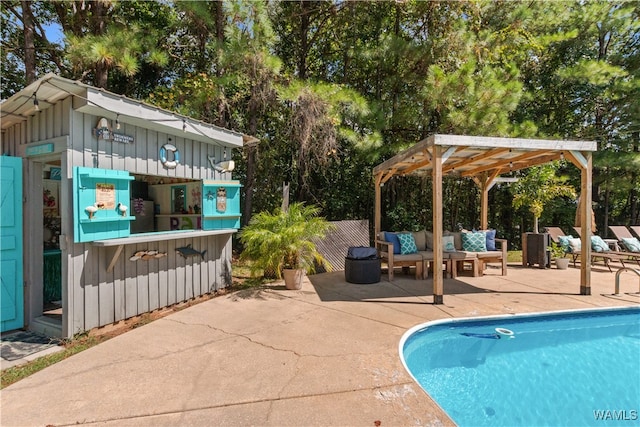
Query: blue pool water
column 577, row 368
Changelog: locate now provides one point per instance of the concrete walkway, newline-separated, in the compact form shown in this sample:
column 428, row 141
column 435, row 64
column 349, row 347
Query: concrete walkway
column 324, row 355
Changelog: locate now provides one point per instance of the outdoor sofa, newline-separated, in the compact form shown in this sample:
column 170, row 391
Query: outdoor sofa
column 459, row 249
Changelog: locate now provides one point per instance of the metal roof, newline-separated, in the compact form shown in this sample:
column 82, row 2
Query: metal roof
column 52, row 88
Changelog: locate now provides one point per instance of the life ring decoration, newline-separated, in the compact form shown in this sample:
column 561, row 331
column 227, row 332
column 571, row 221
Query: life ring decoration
column 166, row 162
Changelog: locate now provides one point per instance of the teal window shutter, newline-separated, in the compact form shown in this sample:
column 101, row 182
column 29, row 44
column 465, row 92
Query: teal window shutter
column 101, row 204
column 220, row 205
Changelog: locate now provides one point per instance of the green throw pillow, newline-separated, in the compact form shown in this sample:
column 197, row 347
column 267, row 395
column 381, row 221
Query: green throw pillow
column 631, row 243
column 407, row 243
column 448, row 244
column 474, row 242
column 599, row 245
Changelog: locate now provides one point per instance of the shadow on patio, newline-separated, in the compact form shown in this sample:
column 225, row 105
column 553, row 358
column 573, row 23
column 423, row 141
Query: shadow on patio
column 405, row 289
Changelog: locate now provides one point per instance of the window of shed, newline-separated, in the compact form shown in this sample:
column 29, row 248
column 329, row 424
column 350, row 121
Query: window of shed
column 113, row 204
column 165, row 204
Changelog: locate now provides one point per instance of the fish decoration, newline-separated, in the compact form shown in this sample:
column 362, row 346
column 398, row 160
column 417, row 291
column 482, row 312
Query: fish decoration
column 147, row 255
column 188, row 251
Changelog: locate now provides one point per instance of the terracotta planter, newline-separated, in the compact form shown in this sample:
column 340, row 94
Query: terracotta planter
column 562, row 263
column 293, row 278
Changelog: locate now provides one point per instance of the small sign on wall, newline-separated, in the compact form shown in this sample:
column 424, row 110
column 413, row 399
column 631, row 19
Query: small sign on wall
column 103, row 131
column 106, row 195
column 221, row 200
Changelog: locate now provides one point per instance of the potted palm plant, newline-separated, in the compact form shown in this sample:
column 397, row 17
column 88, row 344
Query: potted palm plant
column 557, row 253
column 284, row 242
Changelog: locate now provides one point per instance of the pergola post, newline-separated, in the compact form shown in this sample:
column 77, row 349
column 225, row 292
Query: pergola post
column 586, row 219
column 436, row 175
column 485, row 183
column 378, row 207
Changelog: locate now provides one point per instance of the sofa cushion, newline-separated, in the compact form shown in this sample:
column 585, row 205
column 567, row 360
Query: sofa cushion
column 407, row 257
column 420, row 239
column 489, row 254
column 429, row 238
column 427, row 255
column 474, row 241
column 599, row 245
column 448, row 244
column 393, row 239
column 461, row 255
column 407, row 243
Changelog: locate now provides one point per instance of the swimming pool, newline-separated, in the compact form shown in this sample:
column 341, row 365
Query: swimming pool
column 570, row 368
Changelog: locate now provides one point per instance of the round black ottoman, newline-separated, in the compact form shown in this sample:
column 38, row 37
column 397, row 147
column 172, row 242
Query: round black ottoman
column 362, row 271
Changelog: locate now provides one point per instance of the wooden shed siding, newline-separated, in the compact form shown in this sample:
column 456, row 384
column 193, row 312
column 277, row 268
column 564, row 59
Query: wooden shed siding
column 93, row 297
column 96, row 297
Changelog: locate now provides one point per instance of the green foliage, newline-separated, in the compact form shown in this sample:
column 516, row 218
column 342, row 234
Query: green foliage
column 285, row 239
column 556, row 250
column 331, row 89
column 539, row 186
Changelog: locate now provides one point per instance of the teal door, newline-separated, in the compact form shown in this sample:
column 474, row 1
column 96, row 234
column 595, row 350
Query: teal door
column 11, row 294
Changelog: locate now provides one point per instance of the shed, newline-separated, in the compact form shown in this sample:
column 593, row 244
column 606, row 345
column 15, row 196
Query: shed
column 111, row 207
column 483, row 159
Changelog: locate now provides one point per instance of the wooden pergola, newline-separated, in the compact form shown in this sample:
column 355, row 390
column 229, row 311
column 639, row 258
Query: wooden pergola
column 483, row 159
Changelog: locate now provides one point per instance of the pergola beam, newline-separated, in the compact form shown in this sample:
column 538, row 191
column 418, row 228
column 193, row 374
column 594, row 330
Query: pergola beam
column 474, row 159
column 511, row 162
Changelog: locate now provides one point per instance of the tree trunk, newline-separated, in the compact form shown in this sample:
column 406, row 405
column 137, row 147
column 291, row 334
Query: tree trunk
column 98, row 28
column 219, row 10
column 304, row 42
column 250, row 151
column 29, row 42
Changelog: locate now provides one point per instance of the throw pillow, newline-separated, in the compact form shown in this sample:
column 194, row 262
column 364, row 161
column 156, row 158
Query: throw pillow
column 631, row 243
column 564, row 242
column 407, row 243
column 429, row 236
column 575, row 245
column 421, row 240
column 447, row 244
column 474, row 241
column 457, row 238
column 393, row 238
column 491, row 239
column 599, row 245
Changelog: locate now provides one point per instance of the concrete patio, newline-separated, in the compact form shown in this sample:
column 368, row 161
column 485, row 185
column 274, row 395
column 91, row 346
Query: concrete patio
column 324, row 355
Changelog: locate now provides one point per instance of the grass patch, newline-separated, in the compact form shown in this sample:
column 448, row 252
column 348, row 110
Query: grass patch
column 71, row 347
column 241, row 279
column 514, row 256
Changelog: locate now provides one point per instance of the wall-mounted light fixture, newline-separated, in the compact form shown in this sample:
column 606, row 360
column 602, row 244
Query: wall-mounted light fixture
column 36, row 103
column 117, row 121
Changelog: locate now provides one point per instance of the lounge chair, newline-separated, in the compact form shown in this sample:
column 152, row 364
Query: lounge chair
column 636, row 229
column 607, row 253
column 628, row 242
column 622, row 233
column 557, row 234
